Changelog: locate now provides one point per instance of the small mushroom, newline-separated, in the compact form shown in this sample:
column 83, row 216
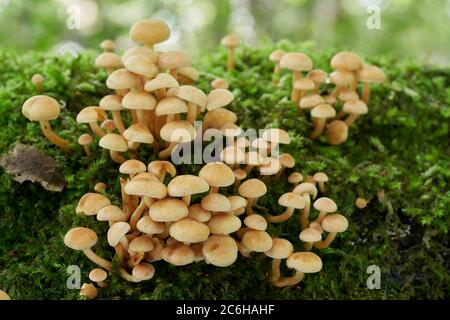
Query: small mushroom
column 319, row 77
column 230, row 42
column 321, row 113
column 295, row 178
column 281, row 249
column 302, row 262
column 91, row 115
column 4, row 296
column 160, row 168
column 303, row 86
column 109, row 61
column 324, row 205
column 111, row 213
column 198, row 213
column 142, row 65
column 342, row 79
column 168, row 210
column 185, row 186
column 91, row 203
column 176, row 132
column 347, row 61
column 132, row 167
column 320, row 178
column 220, row 250
column 160, row 84
column 252, row 189
column 85, row 140
column 224, row 223
column 333, row 224
column 354, row 108
column 309, row 102
column 171, row 107
column 137, row 134
column 257, row 241
column 142, row 102
column 148, row 226
column 173, row 60
column 149, row 32
column 336, row 132
column 218, row 98
column 276, row 137
column 195, row 98
column 107, row 45
column 370, row 75
column 100, row 187
column 108, row 125
column 143, row 271
column 239, row 175
column 254, row 159
column 138, row 247
column 88, row 290
column 256, row 222
column 178, row 254
column 361, row 203
column 296, row 62
column 238, row 205
column 217, row 118
column 310, row 236
column 98, row 276
column 37, row 80
column 276, row 56
column 217, row 175
column 219, row 84
column 113, row 103
column 116, row 144
column 286, row 161
column 306, row 190
column 187, row 75
column 291, row 201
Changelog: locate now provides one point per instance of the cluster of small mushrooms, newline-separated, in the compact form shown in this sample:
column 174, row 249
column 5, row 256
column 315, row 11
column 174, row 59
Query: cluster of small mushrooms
column 335, row 108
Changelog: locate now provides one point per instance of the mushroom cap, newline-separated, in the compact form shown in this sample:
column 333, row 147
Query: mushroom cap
column 219, row 117
column 276, row 135
column 270, row 168
column 111, row 213
column 146, row 187
column 189, row 72
column 318, row 76
column 224, row 223
column 116, row 232
column 171, row 105
column 132, row 166
column 219, row 84
column 100, row 187
column 108, row 60
column 281, row 249
column 198, row 213
column 360, row 203
column 371, row 74
column 113, row 142
column 39, row 108
column 159, row 167
column 320, row 177
column 306, row 262
column 98, row 275
column 335, row 223
column 216, row 202
column 80, row 238
column 330, row 99
column 237, row 202
column 337, row 132
column 258, row 241
column 218, row 98
column 217, row 174
column 37, row 78
column 347, row 94
column 168, row 209
column 141, row 65
column 88, row 290
column 138, row 133
column 192, row 94
column 230, row 41
column 178, row 131
column 143, row 271
column 139, row 100
column 342, row 78
column 295, row 177
column 91, row 203
column 291, row 200
column 161, row 81
column 256, row 222
column 355, row 107
column 189, row 230
column 304, row 84
column 240, row 174
column 252, row 188
column 174, row 60
column 148, row 32
column 316, row 226
column 149, row 226
column 311, row 101
column 346, row 61
column 108, row 44
column 123, row 79
column 310, row 235
column 287, row 160
column 296, row 61
column 111, row 102
column 178, row 255
column 220, row 250
column 233, row 155
column 323, row 111
column 276, row 55
column 325, row 204
column 140, row 51
column 306, row 187
column 142, row 243
column 91, row 114
column 108, row 124
column 187, row 184
column 85, row 139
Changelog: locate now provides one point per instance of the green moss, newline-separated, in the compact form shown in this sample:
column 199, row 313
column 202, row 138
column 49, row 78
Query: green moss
column 400, row 147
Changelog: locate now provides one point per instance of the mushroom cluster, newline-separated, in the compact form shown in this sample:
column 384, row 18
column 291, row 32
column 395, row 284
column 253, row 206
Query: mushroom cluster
column 333, row 109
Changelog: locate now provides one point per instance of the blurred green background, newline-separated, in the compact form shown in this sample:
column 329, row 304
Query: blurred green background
column 408, row 27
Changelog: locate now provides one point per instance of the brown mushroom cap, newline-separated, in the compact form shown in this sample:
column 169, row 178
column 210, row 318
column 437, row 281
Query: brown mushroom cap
column 189, row 72
column 108, row 125
column 252, row 188
column 108, row 60
column 185, row 185
column 138, row 133
column 161, row 81
column 139, row 100
column 88, row 290
column 337, row 132
column 318, row 76
column 287, row 160
column 149, row 32
column 149, row 226
column 306, row 262
column 342, row 78
column 346, row 95
column 140, row 51
column 178, row 131
column 38, row 108
column 91, row 114
column 192, row 94
column 219, row 84
column 178, row 255
column 291, row 200
column 335, row 223
column 111, row 213
column 281, row 249
column 171, row 106
column 296, row 61
column 123, row 79
column 240, row 174
column 217, row 174
column 237, row 202
column 346, row 61
column 108, row 45
column 91, row 203
column 224, row 223
column 111, row 102
column 174, row 60
column 276, row 135
column 143, row 271
column 310, row 235
column 80, row 238
column 85, row 139
column 258, row 241
column 304, row 84
column 230, row 41
column 198, row 213
column 146, row 187
column 355, row 107
column 159, row 167
column 141, row 65
column 168, row 209
column 371, row 74
column 323, row 111
column 325, row 204
column 219, row 117
column 114, row 142
column 218, row 98
column 275, row 56
column 320, row 177
column 220, row 250
column 311, row 101
column 37, row 78
column 116, row 232
column 256, row 222
column 142, row 243
column 189, row 230
column 132, row 166
column 306, row 187
column 216, row 202
column 98, row 275
column 295, row 177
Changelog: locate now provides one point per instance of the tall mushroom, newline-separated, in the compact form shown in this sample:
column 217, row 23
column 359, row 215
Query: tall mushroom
column 296, row 62
column 321, row 113
column 275, row 57
column 324, row 205
column 116, row 144
column 109, row 61
column 176, row 132
column 333, row 224
column 142, row 102
column 173, row 60
column 319, row 77
column 186, row 185
column 37, row 80
column 281, row 249
column 218, row 98
column 354, row 108
column 230, row 42
column 320, row 178
column 195, row 98
column 85, row 140
column 92, row 115
column 149, row 32
column 309, row 236
column 302, row 262
column 291, row 201
column 370, row 75
column 252, row 189
column 113, row 103
column 307, row 191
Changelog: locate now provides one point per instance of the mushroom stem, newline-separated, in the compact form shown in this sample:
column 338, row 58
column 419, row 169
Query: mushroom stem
column 118, row 122
column 96, row 129
column 192, row 113
column 276, row 72
column 105, row 264
column 249, row 209
column 295, row 94
column 290, row 281
column 51, row 136
column 187, row 199
column 308, row 246
column 161, row 93
column 166, row 153
column 101, row 284
column 322, row 215
column 280, row 172
column 248, row 168
column 282, row 217
column 134, row 116
column 124, row 274
column 126, row 198
column 230, row 59
column 275, row 274
column 116, row 157
column 350, row 119
column 325, row 243
column 142, row 117
column 322, row 186
column 151, row 121
column 365, row 94
column 318, row 129
column 87, row 150
column 214, row 190
column 304, row 222
column 137, row 214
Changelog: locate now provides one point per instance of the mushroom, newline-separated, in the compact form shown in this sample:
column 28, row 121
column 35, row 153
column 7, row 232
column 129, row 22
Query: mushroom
column 188, row 230
column 296, row 62
column 187, row 75
column 219, row 84
column 149, row 32
column 361, row 203
column 109, row 61
column 83, row 239
column 276, row 137
column 309, row 102
column 333, row 224
column 324, row 205
column 239, row 175
column 85, row 140
column 295, row 178
column 117, row 239
column 238, row 205
column 194, row 97
column 91, row 203
column 256, row 222
column 4, row 296
column 281, row 249
column 137, row 134
column 173, row 60
column 44, row 108
column 233, row 156
column 252, row 189
column 319, row 77
column 320, row 178
column 132, row 167
column 160, row 84
column 37, row 80
column 230, row 42
column 160, row 168
column 198, row 213
column 218, row 98
column 178, row 254
column 262, row 146
column 115, row 143
column 370, row 75
column 342, row 79
column 171, row 107
column 217, row 175
column 306, row 190
column 176, row 132
column 88, row 290
column 321, row 113
column 185, row 186
column 270, row 168
column 217, row 118
column 220, row 250
column 98, row 276
column 257, row 241
column 216, row 202
column 113, row 103
column 224, row 223
column 142, row 65
column 291, row 201
column 138, row 247
column 112, row 214
column 148, row 226
column 347, row 61
column 108, row 125
column 143, row 271
column 337, row 132
column 302, row 262
column 276, row 56
column 303, row 86
column 286, row 161
column 310, row 236
column 354, row 108
column 108, row 45
column 155, row 254
column 92, row 115
column 142, row 102
column 252, row 159
column 122, row 80
column 100, row 187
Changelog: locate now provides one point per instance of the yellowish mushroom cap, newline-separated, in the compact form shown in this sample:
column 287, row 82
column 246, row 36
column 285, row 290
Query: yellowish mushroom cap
column 140, row 51
column 198, row 213
column 116, row 232
column 123, row 79
column 184, row 185
column 346, row 61
column 304, row 84
column 189, row 72
column 281, row 249
column 97, row 275
column 232, row 155
column 85, row 139
column 189, row 230
column 335, row 223
column 149, row 226
column 347, row 94
column 39, row 108
column 139, row 100
column 141, row 65
column 337, row 132
column 237, row 202
column 295, row 177
column 306, row 262
column 161, row 81
column 230, row 41
column 342, row 78
column 138, row 133
column 178, row 131
column 276, row 55
column 174, row 60
column 216, row 202
column 325, row 204
column 146, row 187
column 91, row 114
column 91, row 203
column 111, row 213
column 108, row 60
column 114, row 142
column 88, row 290
column 111, row 102
column 323, row 111
column 143, row 271
column 219, row 98
column 220, row 250
column 80, row 238
column 108, row 45
column 318, row 76
column 371, row 74
column 256, row 222
column 219, row 117
column 224, row 223
column 217, row 174
column 149, row 32
column 132, row 166
column 355, row 107
column 306, row 187
column 219, row 84
column 252, row 188
column 296, row 61
column 310, row 235
column 178, row 255
column 291, row 200
column 142, row 243
column 270, row 168
column 171, row 106
column 159, row 167
column 168, row 209
column 192, row 94
column 240, row 174
column 276, row 135
column 287, row 160
column 311, row 101
column 257, row 241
